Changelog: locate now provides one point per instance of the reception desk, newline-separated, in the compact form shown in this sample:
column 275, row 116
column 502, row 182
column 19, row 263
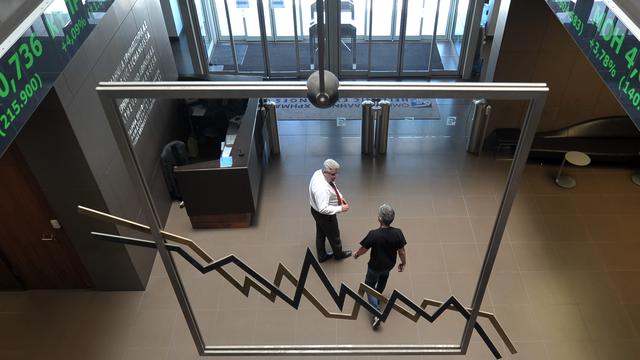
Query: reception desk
column 224, row 193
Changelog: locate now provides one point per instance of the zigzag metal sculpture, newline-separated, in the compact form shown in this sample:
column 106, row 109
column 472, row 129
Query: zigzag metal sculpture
column 272, row 290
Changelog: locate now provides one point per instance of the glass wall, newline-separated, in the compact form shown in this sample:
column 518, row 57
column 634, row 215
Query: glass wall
column 241, row 38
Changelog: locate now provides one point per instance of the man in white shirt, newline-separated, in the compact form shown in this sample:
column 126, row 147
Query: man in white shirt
column 326, row 201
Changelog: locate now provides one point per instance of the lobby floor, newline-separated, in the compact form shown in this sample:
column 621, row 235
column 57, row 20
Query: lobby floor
column 566, row 284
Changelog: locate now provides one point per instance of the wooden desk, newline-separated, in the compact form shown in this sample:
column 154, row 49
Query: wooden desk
column 226, row 196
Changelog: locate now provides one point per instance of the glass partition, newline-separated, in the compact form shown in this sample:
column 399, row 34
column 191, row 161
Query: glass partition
column 370, row 41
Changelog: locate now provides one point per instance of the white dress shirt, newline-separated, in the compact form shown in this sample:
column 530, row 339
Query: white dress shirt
column 322, row 197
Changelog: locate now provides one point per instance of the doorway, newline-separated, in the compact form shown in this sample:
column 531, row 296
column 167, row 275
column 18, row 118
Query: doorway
column 35, row 252
column 365, row 38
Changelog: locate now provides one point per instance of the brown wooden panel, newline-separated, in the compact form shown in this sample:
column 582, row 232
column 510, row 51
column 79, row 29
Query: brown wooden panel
column 25, row 215
column 8, row 280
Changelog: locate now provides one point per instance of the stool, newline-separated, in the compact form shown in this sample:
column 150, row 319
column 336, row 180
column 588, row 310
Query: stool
column 636, row 179
column 576, row 158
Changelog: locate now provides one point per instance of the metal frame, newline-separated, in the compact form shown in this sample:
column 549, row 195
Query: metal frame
column 333, row 36
column 465, row 60
column 403, row 35
column 496, row 43
column 197, row 50
column 433, row 38
column 24, row 25
column 536, row 94
column 232, row 41
column 263, row 39
column 209, row 23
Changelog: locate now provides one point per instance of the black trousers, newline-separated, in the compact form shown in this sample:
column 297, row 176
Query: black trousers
column 327, row 228
column 376, row 280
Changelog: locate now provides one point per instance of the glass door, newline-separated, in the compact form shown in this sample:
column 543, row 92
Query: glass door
column 418, row 47
column 455, row 40
column 239, row 48
column 283, row 42
column 375, row 38
column 426, row 39
column 368, row 38
column 438, row 40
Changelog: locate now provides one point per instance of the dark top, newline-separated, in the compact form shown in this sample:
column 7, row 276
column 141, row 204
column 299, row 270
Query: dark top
column 384, row 244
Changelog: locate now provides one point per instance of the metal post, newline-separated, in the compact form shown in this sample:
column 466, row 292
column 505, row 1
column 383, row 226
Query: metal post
column 564, row 159
column 434, row 38
column 496, row 43
column 150, row 212
column 295, row 37
column 403, row 35
column 264, row 40
column 199, row 57
column 367, row 128
column 232, row 42
column 334, row 34
column 370, row 37
column 272, row 127
column 471, row 44
column 321, row 42
column 382, row 126
column 531, row 120
column 479, row 121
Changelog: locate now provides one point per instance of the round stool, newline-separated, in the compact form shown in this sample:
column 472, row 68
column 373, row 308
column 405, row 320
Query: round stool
column 576, row 158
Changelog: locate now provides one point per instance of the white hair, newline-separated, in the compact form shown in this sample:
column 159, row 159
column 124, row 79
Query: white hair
column 386, row 214
column 330, row 164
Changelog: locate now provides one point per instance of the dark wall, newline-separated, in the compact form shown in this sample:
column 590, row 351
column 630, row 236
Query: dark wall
column 51, row 150
column 130, row 43
column 536, row 48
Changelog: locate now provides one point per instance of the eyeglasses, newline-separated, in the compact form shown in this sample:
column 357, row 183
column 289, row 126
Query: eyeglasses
column 331, row 173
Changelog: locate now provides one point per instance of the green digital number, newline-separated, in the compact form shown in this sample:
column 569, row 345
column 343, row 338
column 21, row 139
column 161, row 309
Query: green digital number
column 14, row 59
column 631, row 57
column 4, row 86
column 36, row 45
column 16, row 107
column 26, row 54
column 4, row 123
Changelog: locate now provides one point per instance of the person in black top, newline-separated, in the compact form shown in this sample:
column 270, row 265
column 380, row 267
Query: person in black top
column 386, row 243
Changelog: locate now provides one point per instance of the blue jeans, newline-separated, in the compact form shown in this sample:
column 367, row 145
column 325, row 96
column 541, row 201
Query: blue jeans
column 376, row 280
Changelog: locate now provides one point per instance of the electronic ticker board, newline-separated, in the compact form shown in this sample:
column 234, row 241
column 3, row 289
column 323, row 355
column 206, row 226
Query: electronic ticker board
column 609, row 40
column 30, row 66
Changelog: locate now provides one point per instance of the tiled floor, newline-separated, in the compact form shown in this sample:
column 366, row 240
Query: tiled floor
column 566, row 284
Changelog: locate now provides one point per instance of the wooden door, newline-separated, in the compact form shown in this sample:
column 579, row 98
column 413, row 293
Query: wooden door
column 40, row 256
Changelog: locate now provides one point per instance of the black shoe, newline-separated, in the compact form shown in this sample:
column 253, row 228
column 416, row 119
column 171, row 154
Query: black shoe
column 345, row 254
column 376, row 323
column 322, row 259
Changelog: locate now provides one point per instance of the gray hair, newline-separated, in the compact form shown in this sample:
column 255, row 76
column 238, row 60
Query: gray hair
column 330, row 164
column 386, row 214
